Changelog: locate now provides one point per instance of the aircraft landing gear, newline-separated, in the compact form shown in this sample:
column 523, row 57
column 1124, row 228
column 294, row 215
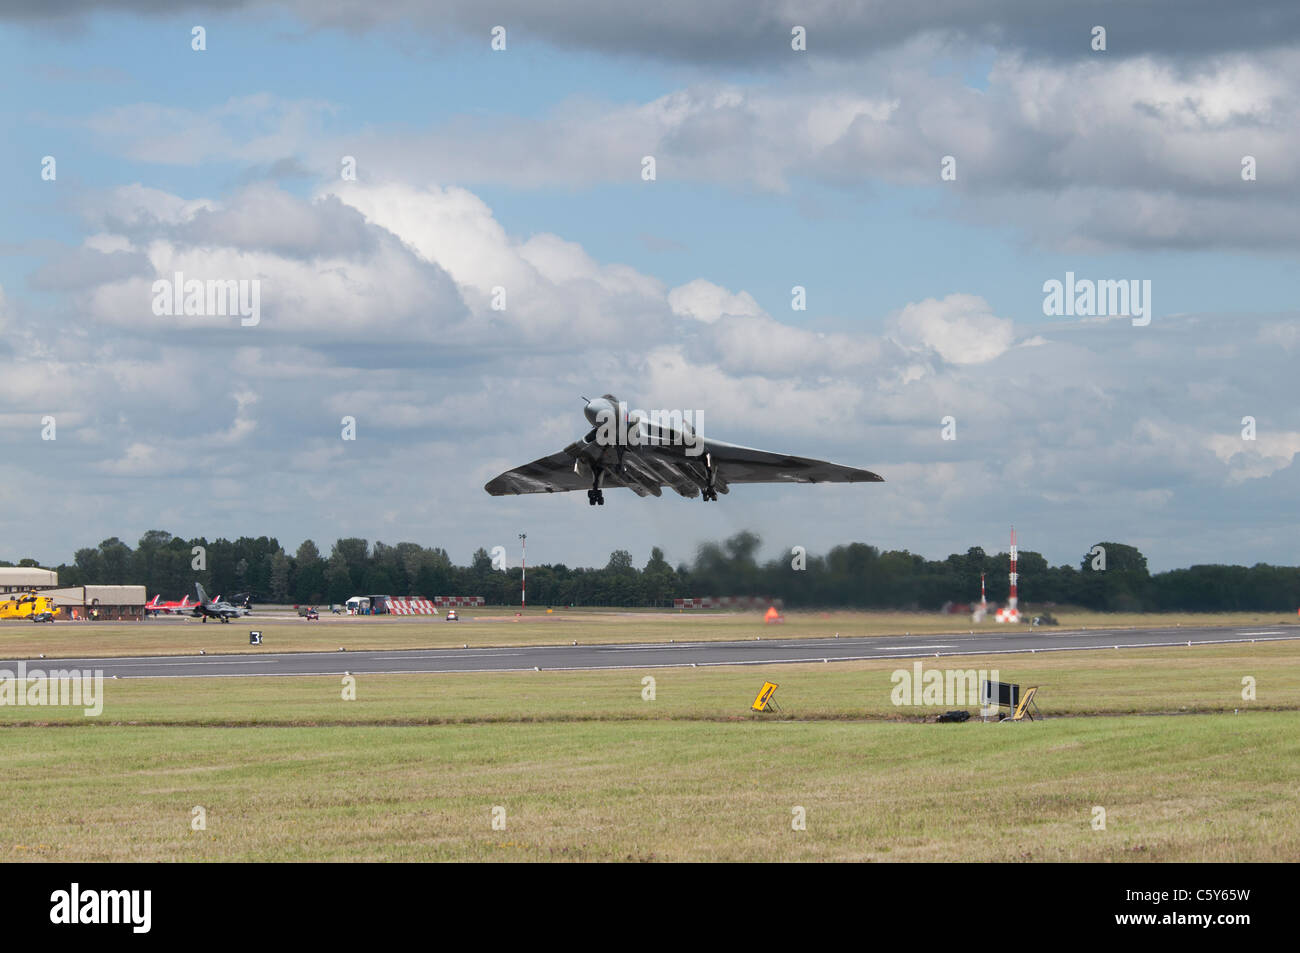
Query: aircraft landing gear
column 707, row 491
column 596, row 497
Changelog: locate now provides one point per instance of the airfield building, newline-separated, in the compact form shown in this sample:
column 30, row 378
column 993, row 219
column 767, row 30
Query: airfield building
column 24, row 579
column 111, row 602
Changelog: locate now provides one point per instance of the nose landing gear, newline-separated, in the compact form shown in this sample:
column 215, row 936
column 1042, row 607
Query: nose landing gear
column 707, row 491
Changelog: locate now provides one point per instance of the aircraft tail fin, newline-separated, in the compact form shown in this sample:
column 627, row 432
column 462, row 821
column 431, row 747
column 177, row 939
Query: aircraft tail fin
column 198, row 588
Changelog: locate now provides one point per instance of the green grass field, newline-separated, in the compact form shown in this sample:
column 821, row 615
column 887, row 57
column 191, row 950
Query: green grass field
column 1207, row 787
column 586, row 769
column 500, row 627
column 1129, row 681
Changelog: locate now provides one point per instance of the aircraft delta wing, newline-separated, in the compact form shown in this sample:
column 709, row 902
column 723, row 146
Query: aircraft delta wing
column 647, row 455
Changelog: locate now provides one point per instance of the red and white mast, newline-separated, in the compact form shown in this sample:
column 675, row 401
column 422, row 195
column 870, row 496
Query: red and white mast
column 1010, row 613
column 1015, row 577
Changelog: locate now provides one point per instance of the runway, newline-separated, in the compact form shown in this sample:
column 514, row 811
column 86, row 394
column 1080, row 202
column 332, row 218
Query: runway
column 658, row 654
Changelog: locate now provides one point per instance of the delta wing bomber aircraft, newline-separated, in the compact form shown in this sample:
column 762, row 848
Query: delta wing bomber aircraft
column 647, row 452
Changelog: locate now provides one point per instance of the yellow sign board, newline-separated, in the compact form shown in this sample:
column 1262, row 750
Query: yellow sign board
column 764, row 696
column 1023, row 708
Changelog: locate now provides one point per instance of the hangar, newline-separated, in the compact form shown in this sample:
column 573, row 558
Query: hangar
column 77, row 602
column 25, row 578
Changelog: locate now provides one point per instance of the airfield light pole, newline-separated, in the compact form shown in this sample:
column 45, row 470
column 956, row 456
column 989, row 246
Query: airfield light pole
column 523, row 578
column 1012, row 600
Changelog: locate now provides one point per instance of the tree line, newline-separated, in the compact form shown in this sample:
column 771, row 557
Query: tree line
column 854, row 575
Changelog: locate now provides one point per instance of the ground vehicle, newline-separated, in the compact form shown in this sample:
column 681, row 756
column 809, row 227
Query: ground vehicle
column 368, row 605
column 308, row 613
column 29, row 606
column 451, row 616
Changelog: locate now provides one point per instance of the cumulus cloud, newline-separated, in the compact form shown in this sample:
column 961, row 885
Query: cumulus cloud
column 136, row 206
column 388, row 318
column 461, row 345
column 1256, row 458
column 707, row 302
column 547, row 286
column 757, row 35
column 960, row 329
column 763, row 345
column 1134, row 148
column 320, row 268
column 1138, row 151
column 87, row 267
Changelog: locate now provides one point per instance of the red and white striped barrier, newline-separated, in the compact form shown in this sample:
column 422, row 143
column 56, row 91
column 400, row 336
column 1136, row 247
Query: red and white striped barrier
column 458, row 601
column 431, row 606
column 411, row 607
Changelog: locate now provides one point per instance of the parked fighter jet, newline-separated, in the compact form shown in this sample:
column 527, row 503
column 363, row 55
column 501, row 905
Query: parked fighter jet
column 646, row 452
column 156, row 607
column 214, row 608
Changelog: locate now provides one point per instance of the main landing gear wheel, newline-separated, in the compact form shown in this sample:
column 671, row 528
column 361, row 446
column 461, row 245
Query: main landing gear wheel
column 707, row 491
column 596, row 497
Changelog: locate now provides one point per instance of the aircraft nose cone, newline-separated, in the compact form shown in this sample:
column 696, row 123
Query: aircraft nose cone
column 594, row 409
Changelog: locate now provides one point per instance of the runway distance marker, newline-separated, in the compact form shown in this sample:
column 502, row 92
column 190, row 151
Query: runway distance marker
column 765, row 698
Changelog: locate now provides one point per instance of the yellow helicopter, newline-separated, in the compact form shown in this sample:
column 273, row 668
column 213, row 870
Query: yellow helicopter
column 31, row 606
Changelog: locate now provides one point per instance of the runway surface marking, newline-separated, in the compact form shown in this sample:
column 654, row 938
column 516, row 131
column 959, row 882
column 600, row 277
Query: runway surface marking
column 596, row 657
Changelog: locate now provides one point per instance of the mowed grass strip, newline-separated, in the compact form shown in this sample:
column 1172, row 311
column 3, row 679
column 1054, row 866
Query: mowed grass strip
column 1106, row 681
column 1194, row 788
column 495, row 627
